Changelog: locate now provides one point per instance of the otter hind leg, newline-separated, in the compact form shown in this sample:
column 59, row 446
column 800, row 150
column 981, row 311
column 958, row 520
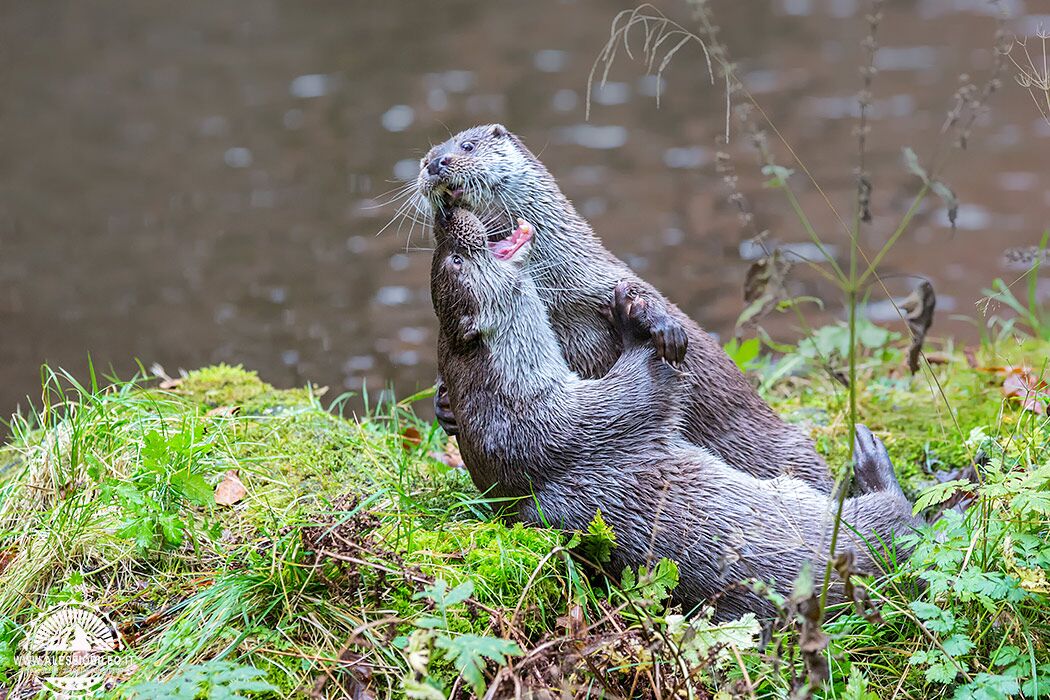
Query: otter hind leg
column 873, row 470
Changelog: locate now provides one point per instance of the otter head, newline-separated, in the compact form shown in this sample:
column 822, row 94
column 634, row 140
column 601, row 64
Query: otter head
column 476, row 284
column 483, row 169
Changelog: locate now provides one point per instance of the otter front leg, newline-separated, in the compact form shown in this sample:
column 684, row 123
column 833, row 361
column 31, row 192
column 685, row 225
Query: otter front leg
column 467, row 334
column 655, row 322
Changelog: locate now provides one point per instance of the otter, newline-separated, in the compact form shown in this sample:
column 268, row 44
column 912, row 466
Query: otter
column 488, row 170
column 557, row 448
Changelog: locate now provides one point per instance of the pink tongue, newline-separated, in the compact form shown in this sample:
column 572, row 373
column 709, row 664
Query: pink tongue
column 505, row 249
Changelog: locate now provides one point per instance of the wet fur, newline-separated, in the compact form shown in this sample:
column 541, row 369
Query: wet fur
column 561, row 447
column 575, row 275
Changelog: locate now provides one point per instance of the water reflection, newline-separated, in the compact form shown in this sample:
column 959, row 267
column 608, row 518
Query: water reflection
column 208, row 186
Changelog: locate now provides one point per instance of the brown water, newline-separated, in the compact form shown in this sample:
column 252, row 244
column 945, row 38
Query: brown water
column 198, row 182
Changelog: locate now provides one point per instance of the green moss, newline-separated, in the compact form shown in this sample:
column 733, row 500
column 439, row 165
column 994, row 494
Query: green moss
column 223, row 385
column 500, row 560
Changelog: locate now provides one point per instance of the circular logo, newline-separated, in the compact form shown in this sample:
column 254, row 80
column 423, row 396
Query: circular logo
column 70, row 649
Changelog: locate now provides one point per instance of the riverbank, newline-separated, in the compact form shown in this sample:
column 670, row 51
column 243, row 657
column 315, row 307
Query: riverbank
column 226, row 525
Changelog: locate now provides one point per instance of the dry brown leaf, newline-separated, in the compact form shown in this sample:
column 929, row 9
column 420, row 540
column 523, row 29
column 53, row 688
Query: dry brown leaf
column 919, row 307
column 6, row 557
column 1021, row 383
column 410, row 439
column 166, row 382
column 230, row 489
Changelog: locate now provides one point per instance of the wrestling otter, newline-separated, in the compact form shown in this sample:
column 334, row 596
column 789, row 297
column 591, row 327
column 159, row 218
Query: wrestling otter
column 487, row 169
column 562, row 447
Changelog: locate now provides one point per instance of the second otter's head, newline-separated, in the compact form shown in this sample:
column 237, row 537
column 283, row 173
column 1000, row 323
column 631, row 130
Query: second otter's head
column 484, row 169
column 477, row 285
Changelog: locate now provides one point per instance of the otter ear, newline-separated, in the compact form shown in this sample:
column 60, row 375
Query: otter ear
column 499, row 130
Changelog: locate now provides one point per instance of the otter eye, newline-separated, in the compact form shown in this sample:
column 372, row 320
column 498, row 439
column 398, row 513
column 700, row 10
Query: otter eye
column 456, row 260
column 467, row 146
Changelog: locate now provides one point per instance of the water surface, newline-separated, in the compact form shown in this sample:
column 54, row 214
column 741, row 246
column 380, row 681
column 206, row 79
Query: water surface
column 203, row 182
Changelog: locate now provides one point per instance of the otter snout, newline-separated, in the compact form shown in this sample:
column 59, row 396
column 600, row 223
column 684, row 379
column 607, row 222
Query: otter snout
column 438, row 165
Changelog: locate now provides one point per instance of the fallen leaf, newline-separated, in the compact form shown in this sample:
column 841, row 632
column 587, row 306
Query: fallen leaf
column 938, row 358
column 5, row 558
column 223, row 411
column 230, row 489
column 410, row 438
column 1021, row 383
column 166, row 382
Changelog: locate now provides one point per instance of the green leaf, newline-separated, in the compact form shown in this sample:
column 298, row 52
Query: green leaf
column 941, row 672
column 171, row 527
column 938, row 493
column 193, row 487
column 650, row 588
column 743, row 353
column 459, row 593
column 599, row 540
column 857, row 687
column 957, row 645
column 468, row 654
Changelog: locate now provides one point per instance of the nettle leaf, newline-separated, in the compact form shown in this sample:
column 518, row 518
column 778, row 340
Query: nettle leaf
column 469, row 654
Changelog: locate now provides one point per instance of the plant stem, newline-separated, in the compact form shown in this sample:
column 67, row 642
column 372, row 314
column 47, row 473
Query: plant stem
column 901, row 228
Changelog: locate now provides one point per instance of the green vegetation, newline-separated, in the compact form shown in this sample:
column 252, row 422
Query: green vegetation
column 355, row 560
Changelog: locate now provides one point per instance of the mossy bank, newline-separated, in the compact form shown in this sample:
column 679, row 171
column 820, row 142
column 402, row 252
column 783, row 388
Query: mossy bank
column 349, row 557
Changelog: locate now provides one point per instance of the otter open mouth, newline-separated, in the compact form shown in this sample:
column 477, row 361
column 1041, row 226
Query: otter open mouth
column 448, row 197
column 507, row 248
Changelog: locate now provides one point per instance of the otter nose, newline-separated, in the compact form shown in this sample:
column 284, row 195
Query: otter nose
column 438, row 165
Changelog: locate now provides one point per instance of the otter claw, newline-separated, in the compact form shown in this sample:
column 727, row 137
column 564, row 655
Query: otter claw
column 628, row 312
column 670, row 339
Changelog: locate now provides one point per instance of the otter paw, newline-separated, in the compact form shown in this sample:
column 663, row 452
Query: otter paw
column 872, row 470
column 629, row 313
column 443, row 410
column 669, row 338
